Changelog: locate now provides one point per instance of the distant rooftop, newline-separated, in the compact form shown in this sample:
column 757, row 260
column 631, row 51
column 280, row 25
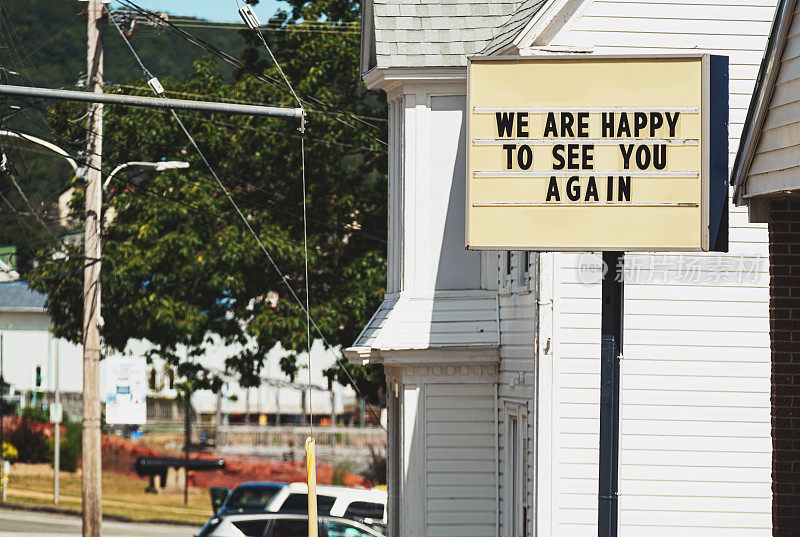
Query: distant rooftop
column 18, row 297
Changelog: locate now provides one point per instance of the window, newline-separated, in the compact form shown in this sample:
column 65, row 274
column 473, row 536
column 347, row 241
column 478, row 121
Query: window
column 340, row 529
column 365, row 510
column 525, row 269
column 299, row 502
column 515, row 493
column 251, row 528
column 505, row 271
column 513, row 476
column 251, row 497
column 394, row 460
column 292, row 527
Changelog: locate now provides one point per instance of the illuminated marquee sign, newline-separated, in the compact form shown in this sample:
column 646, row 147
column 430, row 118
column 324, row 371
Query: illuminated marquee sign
column 598, row 153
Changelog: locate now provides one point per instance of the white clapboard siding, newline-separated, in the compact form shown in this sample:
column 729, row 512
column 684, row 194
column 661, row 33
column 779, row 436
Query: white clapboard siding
column 695, row 444
column 517, row 357
column 442, row 319
column 776, row 163
column 459, row 460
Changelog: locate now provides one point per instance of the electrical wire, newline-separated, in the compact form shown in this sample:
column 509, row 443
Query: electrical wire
column 237, row 101
column 305, row 221
column 328, row 109
column 274, row 203
column 310, row 321
column 308, row 294
column 345, row 227
column 278, row 65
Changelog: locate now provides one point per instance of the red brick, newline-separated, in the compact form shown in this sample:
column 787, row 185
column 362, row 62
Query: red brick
column 784, row 252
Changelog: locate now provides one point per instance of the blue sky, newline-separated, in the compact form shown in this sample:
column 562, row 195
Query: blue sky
column 215, row 10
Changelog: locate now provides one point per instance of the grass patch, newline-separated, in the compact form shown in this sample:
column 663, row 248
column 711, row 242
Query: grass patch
column 31, row 485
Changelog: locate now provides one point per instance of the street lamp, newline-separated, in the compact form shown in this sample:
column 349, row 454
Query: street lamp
column 43, row 143
column 66, row 196
column 158, row 166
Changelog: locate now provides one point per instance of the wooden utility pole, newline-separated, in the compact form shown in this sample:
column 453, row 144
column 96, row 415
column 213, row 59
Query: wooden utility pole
column 187, row 443
column 57, row 428
column 91, row 488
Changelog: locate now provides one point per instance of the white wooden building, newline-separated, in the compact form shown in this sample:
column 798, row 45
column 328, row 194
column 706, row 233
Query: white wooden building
column 29, row 347
column 492, row 359
column 766, row 177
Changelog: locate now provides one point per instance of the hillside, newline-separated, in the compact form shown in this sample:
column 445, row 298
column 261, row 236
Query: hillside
column 51, row 51
column 44, row 41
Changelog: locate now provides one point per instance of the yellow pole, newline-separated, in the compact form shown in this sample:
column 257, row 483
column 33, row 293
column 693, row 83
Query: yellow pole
column 311, row 471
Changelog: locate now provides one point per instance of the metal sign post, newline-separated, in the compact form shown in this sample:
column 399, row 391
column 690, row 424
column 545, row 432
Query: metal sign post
column 612, row 314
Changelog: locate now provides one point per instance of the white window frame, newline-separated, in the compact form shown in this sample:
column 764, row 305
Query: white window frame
column 505, row 271
column 515, row 468
column 524, row 272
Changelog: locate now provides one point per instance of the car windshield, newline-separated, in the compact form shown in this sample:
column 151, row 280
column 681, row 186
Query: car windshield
column 253, row 497
column 299, row 503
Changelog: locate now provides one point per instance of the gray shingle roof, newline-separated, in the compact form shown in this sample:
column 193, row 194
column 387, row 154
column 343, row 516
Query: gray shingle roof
column 442, row 33
column 17, row 296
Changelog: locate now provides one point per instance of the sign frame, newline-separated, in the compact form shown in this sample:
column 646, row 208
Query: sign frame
column 126, row 390
column 714, row 148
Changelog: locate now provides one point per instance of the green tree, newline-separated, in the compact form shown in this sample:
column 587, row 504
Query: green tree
column 43, row 43
column 179, row 266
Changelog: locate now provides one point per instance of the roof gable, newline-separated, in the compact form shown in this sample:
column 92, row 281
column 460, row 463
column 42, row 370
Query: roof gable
column 513, row 26
column 760, row 104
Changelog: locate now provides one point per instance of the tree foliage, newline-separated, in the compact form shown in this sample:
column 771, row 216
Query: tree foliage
column 180, row 267
column 43, row 43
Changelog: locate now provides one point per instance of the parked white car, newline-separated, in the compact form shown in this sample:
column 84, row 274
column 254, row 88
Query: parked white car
column 368, row 504
column 283, row 525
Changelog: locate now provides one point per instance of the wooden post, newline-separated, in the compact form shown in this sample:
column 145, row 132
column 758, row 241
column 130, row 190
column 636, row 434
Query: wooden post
column 187, row 445
column 311, row 471
column 57, row 429
column 91, row 483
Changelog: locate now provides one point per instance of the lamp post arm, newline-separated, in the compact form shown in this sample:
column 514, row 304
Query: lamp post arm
column 122, row 167
column 43, row 143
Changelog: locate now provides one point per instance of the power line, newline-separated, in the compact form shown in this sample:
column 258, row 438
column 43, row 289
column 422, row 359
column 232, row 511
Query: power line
column 263, row 77
column 271, row 260
column 250, row 19
column 333, row 224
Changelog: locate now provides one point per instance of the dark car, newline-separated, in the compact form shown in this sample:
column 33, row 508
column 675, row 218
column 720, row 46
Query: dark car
column 283, row 525
column 250, row 497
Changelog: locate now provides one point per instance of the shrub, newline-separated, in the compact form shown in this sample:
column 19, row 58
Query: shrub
column 340, row 471
column 38, row 415
column 376, row 466
column 70, row 446
column 31, row 443
column 10, row 453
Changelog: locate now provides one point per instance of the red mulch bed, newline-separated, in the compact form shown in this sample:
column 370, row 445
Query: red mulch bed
column 119, row 455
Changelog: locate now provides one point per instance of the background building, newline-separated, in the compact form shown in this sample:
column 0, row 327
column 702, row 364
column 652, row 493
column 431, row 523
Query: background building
column 29, row 354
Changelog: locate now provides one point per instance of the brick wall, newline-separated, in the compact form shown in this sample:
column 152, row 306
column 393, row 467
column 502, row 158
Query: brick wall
column 784, row 307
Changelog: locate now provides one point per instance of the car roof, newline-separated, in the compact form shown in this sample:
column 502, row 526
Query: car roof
column 330, row 490
column 268, row 514
column 260, row 484
column 299, row 516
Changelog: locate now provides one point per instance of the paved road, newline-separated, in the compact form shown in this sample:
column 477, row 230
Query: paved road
column 15, row 523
